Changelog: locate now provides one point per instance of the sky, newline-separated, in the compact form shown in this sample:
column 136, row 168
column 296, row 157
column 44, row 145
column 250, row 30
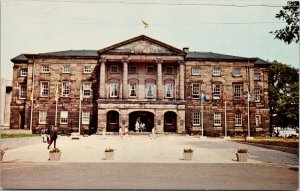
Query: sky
column 239, row 28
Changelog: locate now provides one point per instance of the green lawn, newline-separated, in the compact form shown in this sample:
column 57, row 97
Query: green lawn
column 286, row 142
column 3, row 136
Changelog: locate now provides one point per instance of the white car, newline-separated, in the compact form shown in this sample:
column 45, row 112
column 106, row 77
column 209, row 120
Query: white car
column 285, row 132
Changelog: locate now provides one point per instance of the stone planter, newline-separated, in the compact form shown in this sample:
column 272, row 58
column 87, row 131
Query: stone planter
column 54, row 156
column 187, row 155
column 242, row 157
column 109, row 155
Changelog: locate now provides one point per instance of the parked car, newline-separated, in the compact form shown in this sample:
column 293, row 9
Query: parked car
column 285, row 132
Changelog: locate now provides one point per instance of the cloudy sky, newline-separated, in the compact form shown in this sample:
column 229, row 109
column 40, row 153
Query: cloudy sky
column 239, row 28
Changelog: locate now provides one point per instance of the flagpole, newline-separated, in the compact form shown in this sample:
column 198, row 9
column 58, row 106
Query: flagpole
column 80, row 110
column 248, row 103
column 31, row 97
column 201, row 116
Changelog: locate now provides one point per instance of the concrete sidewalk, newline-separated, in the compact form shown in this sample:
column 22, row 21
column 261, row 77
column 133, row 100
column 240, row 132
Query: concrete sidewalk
column 142, row 149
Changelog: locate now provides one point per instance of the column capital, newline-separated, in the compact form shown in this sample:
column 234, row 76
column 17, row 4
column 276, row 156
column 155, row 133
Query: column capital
column 181, row 62
column 103, row 59
column 125, row 59
column 159, row 60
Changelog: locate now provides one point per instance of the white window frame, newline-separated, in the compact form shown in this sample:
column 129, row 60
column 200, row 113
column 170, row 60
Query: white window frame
column 85, row 118
column 257, row 120
column 238, row 119
column 237, row 72
column 216, row 91
column 169, row 70
column 217, row 119
column 45, row 68
column 169, row 88
column 66, row 69
column 44, row 89
column 64, row 117
column 151, row 86
column 196, row 118
column 216, row 72
column 86, row 89
column 196, row 91
column 237, row 92
column 256, row 76
column 23, row 72
column 65, row 89
column 112, row 68
column 132, row 87
column 256, row 94
column 148, row 71
column 42, row 117
column 196, row 71
column 22, row 91
column 87, row 69
column 114, row 89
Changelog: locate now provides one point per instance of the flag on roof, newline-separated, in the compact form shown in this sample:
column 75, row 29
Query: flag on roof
column 225, row 96
column 248, row 96
column 146, row 25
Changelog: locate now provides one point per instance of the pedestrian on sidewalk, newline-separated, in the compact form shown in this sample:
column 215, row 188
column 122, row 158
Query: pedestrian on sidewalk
column 53, row 136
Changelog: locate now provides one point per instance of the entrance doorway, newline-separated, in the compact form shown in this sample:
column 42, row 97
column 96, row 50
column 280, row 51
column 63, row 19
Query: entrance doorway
column 112, row 122
column 144, row 116
column 170, row 121
column 21, row 120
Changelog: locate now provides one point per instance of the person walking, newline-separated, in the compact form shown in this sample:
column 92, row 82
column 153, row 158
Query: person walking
column 137, row 126
column 53, row 136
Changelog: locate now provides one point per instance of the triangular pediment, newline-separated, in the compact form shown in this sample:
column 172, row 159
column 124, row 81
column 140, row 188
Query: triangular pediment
column 141, row 45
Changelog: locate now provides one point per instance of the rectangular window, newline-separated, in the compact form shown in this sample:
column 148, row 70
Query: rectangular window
column 114, row 69
column 114, row 89
column 85, row 118
column 217, row 119
column 216, row 72
column 66, row 69
column 45, row 69
column 87, row 69
column 169, row 91
column 196, row 91
column 132, row 90
column 169, row 70
column 65, row 89
column 257, row 94
column 44, row 89
column 42, row 117
column 149, row 90
column 237, row 72
column 86, row 88
column 23, row 72
column 133, row 70
column 257, row 120
column 237, row 90
column 216, row 91
column 63, row 117
column 22, row 91
column 196, row 118
column 256, row 76
column 196, row 71
column 238, row 119
column 150, row 70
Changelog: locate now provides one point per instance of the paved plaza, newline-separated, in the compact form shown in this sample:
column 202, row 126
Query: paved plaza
column 142, row 149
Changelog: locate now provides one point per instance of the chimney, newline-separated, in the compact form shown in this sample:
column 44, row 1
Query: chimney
column 186, row 49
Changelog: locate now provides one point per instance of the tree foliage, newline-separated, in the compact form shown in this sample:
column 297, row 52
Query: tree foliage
column 290, row 14
column 283, row 95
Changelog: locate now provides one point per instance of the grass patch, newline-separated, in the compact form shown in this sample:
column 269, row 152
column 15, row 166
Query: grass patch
column 285, row 142
column 18, row 135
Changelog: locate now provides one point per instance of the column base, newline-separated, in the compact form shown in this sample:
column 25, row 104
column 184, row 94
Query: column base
column 203, row 137
column 226, row 137
column 249, row 138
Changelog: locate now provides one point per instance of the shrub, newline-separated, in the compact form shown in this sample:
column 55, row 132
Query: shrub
column 242, row 151
column 56, row 150
column 109, row 150
column 187, row 150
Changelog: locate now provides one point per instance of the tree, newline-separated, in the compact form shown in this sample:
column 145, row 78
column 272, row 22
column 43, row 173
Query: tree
column 283, row 95
column 290, row 14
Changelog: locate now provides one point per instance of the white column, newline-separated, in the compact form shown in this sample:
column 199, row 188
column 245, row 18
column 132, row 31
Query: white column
column 102, row 79
column 181, row 80
column 125, row 79
column 159, row 79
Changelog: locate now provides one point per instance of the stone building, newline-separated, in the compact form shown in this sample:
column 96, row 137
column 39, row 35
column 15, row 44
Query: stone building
column 5, row 98
column 140, row 79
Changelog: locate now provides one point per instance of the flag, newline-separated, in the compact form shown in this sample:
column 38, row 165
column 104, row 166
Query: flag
column 203, row 98
column 225, row 96
column 146, row 25
column 81, row 97
column 31, row 96
column 56, row 93
column 248, row 96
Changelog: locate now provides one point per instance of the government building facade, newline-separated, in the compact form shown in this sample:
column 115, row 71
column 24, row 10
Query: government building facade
column 169, row 89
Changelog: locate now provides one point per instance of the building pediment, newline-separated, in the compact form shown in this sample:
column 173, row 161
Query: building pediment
column 142, row 45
